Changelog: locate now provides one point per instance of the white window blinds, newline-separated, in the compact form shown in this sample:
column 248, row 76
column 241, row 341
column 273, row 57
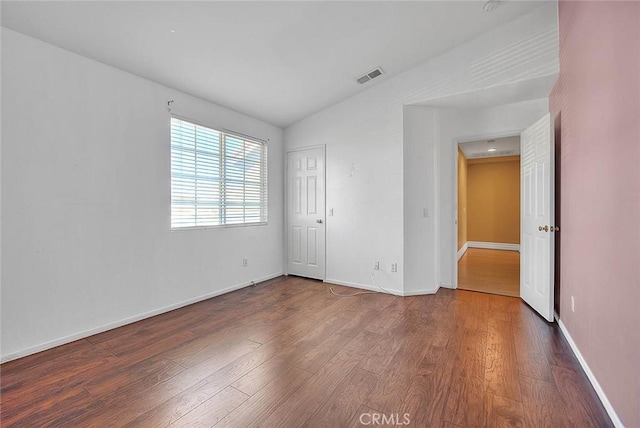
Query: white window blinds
column 216, row 178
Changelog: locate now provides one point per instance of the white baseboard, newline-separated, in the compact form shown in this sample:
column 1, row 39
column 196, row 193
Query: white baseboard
column 603, row 398
column 362, row 286
column 83, row 334
column 494, row 245
column 375, row 288
column 421, row 292
column 463, row 250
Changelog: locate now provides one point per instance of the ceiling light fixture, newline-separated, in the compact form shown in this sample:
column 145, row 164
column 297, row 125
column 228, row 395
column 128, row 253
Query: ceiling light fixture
column 491, row 5
column 493, row 149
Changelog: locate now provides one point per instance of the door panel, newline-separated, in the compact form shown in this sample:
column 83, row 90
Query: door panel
column 312, row 195
column 305, row 215
column 537, row 251
column 312, row 246
column 296, row 245
column 296, row 195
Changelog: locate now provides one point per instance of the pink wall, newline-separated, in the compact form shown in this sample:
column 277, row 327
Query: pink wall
column 597, row 102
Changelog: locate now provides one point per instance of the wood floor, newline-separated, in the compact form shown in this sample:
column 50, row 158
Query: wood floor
column 288, row 353
column 490, row 271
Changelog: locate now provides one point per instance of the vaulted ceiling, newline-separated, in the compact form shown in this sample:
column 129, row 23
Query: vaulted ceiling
column 276, row 61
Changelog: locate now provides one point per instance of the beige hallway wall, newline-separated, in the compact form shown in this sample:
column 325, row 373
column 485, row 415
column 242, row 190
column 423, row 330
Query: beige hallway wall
column 493, row 200
column 462, row 199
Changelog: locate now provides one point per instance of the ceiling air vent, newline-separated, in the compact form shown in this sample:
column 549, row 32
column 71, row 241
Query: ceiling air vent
column 370, row 75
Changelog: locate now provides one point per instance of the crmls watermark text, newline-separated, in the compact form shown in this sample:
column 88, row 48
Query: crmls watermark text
column 384, row 419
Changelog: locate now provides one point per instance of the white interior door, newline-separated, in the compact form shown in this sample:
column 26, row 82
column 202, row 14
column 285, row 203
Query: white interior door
column 538, row 228
column 306, row 227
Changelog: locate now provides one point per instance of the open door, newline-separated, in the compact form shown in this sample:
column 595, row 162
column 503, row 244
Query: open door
column 305, row 216
column 537, row 205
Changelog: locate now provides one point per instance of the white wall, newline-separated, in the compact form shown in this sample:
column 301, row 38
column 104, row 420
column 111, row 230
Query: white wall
column 86, row 201
column 367, row 221
column 468, row 124
column 420, row 189
column 367, row 131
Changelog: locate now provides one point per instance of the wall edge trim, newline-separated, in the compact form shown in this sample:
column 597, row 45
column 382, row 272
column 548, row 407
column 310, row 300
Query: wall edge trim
column 617, row 422
column 363, row 286
column 129, row 320
column 463, row 250
column 494, row 245
column 375, row 288
column 421, row 292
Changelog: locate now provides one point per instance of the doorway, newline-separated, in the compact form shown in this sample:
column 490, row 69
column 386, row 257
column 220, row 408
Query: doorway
column 489, row 215
column 306, row 213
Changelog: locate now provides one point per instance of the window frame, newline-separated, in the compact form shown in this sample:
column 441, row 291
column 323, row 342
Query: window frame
column 222, row 162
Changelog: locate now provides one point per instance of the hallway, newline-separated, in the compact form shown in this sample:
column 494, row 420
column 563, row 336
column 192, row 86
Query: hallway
column 490, row 271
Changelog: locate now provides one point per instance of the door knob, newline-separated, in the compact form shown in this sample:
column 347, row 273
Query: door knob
column 555, row 229
column 545, row 228
column 319, row 220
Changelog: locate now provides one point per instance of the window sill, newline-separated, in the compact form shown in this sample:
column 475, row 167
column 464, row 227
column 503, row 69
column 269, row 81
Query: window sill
column 220, row 226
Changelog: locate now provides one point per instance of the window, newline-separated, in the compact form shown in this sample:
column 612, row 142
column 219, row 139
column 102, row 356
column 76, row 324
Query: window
column 216, row 178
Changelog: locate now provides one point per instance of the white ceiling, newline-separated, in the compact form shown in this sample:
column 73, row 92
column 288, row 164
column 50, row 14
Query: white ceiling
column 524, row 90
column 506, row 146
column 277, row 61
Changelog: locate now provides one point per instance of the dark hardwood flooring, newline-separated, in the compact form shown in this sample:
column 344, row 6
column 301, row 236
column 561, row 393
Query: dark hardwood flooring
column 288, row 353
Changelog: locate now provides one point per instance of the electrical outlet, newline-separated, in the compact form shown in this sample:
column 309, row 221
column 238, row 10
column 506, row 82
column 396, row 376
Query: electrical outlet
column 331, row 212
column 573, row 304
column 376, row 266
column 394, row 267
column 425, row 212
column 245, row 262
